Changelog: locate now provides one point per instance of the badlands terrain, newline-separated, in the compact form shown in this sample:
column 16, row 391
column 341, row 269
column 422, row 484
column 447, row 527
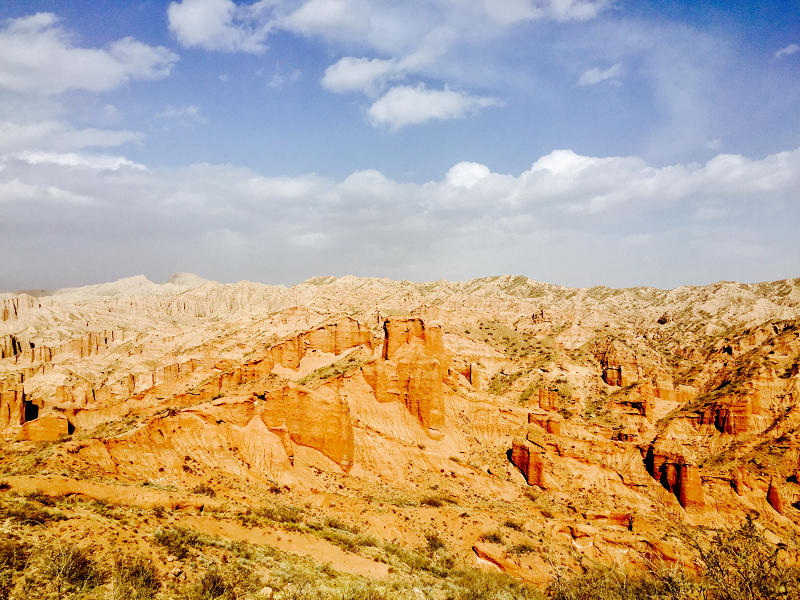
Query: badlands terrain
column 368, row 438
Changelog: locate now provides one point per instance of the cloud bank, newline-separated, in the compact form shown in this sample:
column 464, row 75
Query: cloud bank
column 566, row 219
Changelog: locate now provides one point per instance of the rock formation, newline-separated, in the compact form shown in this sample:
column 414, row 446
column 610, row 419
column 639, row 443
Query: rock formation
column 607, row 418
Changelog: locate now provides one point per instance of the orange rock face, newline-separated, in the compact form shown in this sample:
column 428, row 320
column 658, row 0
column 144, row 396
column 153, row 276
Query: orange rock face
column 47, row 428
column 412, row 371
column 690, row 489
column 775, row 498
column 680, row 477
column 528, row 459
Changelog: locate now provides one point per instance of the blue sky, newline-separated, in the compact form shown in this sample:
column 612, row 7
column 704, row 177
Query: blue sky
column 580, row 142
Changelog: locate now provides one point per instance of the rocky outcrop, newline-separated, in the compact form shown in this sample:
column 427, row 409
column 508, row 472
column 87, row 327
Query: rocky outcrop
column 689, row 486
column 47, row 428
column 84, row 346
column 412, row 371
column 528, row 459
column 332, row 338
column 642, row 399
column 549, row 399
column 11, row 308
column 619, row 365
column 11, row 345
column 775, row 498
column 679, row 476
column 12, row 408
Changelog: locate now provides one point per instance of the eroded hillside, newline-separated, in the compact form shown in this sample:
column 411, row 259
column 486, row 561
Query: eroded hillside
column 498, row 423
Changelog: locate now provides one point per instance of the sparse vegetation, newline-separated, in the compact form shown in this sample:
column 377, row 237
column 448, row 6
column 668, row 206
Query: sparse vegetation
column 178, row 540
column 522, row 548
column 736, row 565
column 501, row 382
column 512, row 524
column 62, row 569
column 134, row 577
column 28, row 513
column 349, row 363
column 205, row 489
column 493, row 537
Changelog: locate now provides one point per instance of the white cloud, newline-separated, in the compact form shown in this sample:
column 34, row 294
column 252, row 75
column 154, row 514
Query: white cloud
column 221, row 24
column 788, row 50
column 188, row 113
column 513, row 11
column 91, row 161
column 369, row 76
column 568, row 214
column 334, row 19
column 573, row 10
column 38, row 57
column 58, row 136
column 466, row 174
column 596, row 75
column 507, row 12
column 405, row 105
column 351, row 74
column 14, row 190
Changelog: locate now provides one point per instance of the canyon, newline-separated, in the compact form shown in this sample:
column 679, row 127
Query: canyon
column 530, row 428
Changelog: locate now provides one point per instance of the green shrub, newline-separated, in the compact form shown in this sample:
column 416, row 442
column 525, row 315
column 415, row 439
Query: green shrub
column 435, row 543
column 493, row 537
column 502, row 382
column 341, row 367
column 742, row 564
column 13, row 553
column 134, row 577
column 64, row 569
column 522, row 548
column 178, row 540
column 480, row 585
column 336, row 523
column 205, row 489
column 13, row 558
column 436, row 501
column 512, row 524
column 736, row 565
column 278, row 513
column 228, row 582
column 28, row 513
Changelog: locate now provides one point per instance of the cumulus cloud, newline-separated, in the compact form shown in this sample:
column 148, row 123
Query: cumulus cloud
column 596, row 75
column 788, row 50
column 406, row 39
column 404, row 105
column 466, row 174
column 221, row 24
column 336, row 19
column 38, row 57
column 352, row 74
column 567, row 216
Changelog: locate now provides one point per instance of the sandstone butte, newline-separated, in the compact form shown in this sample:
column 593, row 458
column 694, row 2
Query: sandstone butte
column 594, row 421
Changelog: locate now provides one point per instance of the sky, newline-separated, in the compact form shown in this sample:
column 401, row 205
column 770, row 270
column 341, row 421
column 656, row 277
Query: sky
column 578, row 142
